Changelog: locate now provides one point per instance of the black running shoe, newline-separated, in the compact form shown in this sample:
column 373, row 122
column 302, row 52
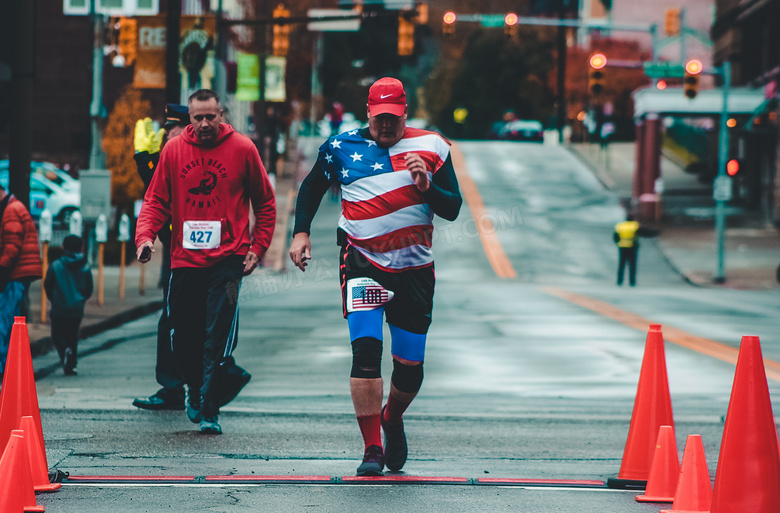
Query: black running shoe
column 373, row 461
column 396, row 449
column 193, row 408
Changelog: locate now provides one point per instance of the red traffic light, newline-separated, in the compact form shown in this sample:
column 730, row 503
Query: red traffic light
column 732, row 167
column 449, row 17
column 694, row 67
column 598, row 61
column 511, row 18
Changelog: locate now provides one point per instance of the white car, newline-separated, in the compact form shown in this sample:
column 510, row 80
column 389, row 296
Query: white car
column 55, row 175
column 59, row 201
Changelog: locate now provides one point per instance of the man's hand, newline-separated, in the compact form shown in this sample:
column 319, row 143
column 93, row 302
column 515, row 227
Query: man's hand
column 251, row 262
column 145, row 138
column 300, row 250
column 416, row 165
column 144, row 252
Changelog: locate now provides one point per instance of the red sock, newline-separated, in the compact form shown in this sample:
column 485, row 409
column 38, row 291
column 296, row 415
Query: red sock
column 395, row 409
column 370, row 428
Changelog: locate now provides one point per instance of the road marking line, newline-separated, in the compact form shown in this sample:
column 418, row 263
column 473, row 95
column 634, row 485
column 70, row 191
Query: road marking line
column 495, row 253
column 676, row 336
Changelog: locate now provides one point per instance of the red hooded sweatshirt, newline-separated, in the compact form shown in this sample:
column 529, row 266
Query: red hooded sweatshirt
column 206, row 188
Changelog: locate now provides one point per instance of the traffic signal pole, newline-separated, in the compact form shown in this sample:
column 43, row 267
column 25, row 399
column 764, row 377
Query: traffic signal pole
column 722, row 177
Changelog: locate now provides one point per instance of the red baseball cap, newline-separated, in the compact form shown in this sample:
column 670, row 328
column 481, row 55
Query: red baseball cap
column 387, row 96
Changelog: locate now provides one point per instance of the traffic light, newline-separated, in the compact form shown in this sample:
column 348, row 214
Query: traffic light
column 693, row 69
column 127, row 40
column 510, row 24
column 281, row 41
column 732, row 167
column 405, row 36
column 596, row 74
column 422, row 13
column 448, row 25
column 672, row 21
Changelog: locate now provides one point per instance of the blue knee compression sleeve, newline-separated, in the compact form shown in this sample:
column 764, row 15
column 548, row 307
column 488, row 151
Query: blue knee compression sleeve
column 407, row 345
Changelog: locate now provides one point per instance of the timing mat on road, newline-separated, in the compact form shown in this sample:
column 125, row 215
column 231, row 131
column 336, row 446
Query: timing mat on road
column 391, row 479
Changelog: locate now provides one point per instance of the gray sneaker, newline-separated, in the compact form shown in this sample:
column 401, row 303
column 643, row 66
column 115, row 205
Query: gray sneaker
column 210, row 426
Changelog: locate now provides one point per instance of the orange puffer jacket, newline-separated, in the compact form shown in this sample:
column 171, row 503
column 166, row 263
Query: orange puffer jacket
column 19, row 249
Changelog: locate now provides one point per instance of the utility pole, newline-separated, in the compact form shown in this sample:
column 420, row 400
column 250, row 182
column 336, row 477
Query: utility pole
column 22, row 73
column 722, row 177
column 172, row 75
column 561, row 114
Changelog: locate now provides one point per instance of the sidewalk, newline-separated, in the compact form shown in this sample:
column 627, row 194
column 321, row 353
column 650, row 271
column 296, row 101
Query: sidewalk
column 687, row 236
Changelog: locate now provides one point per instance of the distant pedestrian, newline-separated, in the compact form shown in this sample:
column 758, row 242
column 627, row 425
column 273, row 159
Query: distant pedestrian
column 626, row 236
column 336, row 117
column 68, row 285
column 206, row 181
column 148, row 145
column 20, row 263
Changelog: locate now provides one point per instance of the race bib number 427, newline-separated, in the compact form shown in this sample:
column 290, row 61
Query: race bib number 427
column 201, row 234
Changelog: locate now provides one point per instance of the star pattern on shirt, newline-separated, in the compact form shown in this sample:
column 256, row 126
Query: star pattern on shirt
column 329, row 158
column 377, row 166
column 352, row 132
column 371, row 143
column 327, row 175
column 344, row 172
column 356, row 156
column 335, row 143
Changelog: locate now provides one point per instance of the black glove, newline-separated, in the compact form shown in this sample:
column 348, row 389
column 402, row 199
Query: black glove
column 5, row 273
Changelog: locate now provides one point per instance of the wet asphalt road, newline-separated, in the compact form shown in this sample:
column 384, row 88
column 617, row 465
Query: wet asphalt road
column 519, row 383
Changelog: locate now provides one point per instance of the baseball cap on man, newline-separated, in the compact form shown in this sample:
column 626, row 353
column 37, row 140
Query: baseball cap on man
column 386, row 96
column 176, row 115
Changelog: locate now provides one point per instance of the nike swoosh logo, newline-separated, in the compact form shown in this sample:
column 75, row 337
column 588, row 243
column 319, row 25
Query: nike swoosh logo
column 383, row 96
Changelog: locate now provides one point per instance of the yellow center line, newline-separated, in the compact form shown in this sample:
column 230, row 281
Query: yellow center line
column 487, row 233
column 676, row 336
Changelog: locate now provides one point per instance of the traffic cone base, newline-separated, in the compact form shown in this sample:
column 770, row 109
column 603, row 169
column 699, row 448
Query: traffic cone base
column 664, row 471
column 652, row 409
column 38, row 466
column 694, row 491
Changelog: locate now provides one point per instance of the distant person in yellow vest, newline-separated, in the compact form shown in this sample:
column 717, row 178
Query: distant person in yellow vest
column 626, row 237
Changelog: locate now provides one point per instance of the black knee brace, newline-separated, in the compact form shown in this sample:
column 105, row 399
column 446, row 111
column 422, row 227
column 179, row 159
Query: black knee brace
column 366, row 358
column 407, row 378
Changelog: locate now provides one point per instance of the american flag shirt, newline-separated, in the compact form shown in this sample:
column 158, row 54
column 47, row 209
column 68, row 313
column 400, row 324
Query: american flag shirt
column 385, row 216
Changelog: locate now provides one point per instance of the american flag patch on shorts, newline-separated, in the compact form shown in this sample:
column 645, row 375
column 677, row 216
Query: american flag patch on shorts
column 366, row 294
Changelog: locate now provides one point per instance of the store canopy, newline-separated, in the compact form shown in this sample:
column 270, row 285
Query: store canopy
column 672, row 100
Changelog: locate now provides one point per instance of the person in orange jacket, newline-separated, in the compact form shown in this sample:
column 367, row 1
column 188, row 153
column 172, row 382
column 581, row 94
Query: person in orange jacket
column 20, row 263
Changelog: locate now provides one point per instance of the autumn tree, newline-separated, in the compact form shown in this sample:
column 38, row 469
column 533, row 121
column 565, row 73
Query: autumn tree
column 126, row 185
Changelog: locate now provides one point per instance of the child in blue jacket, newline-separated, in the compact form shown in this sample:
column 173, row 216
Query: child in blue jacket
column 68, row 285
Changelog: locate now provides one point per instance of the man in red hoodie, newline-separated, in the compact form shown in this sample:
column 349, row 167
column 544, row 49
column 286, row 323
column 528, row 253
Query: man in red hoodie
column 204, row 183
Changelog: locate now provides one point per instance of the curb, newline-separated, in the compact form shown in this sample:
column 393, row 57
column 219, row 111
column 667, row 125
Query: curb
column 43, row 345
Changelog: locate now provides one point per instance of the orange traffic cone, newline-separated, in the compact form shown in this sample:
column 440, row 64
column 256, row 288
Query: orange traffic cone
column 11, row 500
column 652, row 409
column 18, row 396
column 38, row 465
column 17, row 464
column 748, row 474
column 665, row 469
column 694, row 491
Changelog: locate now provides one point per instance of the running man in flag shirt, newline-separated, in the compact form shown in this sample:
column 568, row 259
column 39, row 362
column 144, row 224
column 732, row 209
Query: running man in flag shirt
column 393, row 180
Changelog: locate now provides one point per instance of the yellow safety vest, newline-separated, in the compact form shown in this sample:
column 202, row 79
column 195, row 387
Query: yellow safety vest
column 627, row 233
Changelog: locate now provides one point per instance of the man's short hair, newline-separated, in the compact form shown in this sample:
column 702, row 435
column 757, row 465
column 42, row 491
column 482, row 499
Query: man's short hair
column 203, row 95
column 72, row 243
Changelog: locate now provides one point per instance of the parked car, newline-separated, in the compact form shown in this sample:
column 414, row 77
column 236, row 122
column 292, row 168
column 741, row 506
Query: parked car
column 522, row 130
column 45, row 194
